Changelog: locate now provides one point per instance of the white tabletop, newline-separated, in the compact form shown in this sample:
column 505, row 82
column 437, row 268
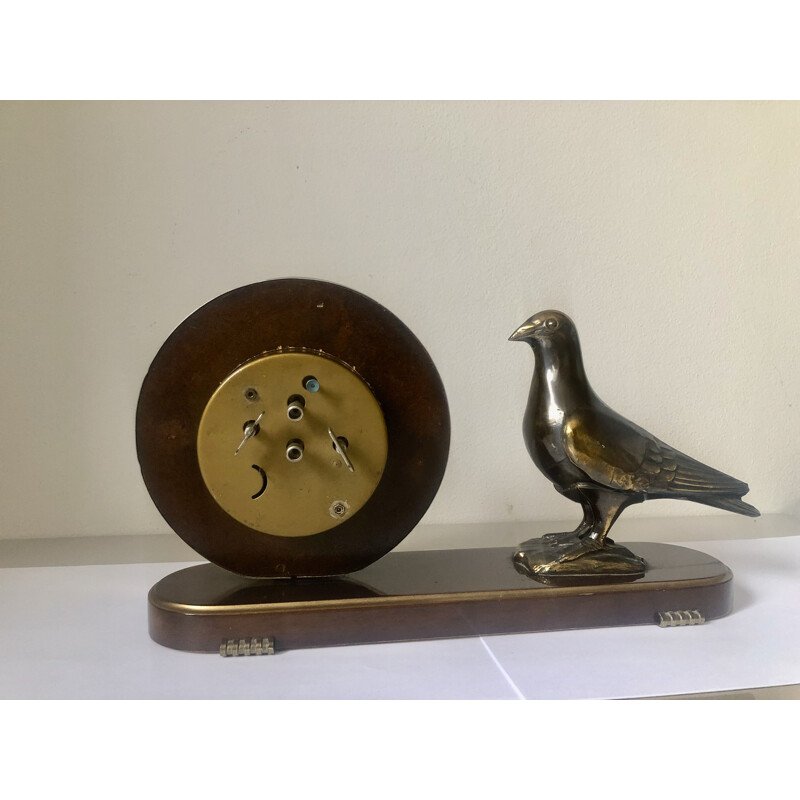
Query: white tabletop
column 81, row 632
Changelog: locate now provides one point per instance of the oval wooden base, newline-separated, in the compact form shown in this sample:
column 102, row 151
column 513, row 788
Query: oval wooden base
column 426, row 595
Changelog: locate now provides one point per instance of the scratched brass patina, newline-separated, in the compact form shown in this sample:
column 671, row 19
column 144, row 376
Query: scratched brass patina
column 292, row 444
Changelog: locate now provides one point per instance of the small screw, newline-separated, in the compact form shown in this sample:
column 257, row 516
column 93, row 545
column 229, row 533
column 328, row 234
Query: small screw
column 251, row 394
column 338, row 508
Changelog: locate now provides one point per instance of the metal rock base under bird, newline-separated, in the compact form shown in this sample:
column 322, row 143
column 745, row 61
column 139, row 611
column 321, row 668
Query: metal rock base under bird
column 598, row 459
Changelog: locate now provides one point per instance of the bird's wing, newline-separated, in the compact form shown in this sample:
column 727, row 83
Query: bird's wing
column 620, row 455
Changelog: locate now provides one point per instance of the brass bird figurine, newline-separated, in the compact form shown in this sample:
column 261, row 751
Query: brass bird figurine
column 598, row 458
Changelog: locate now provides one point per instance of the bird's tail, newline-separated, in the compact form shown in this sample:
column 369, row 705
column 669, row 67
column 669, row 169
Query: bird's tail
column 735, row 504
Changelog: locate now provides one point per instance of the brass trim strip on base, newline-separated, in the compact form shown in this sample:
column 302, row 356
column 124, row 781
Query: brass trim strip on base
column 506, row 594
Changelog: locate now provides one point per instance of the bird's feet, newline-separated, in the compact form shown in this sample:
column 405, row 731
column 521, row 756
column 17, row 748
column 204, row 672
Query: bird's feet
column 550, row 537
column 581, row 531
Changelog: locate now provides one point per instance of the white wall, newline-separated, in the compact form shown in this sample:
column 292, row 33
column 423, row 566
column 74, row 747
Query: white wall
column 668, row 231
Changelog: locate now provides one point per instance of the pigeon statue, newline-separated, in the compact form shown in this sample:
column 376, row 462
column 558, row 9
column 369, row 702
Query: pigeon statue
column 599, row 459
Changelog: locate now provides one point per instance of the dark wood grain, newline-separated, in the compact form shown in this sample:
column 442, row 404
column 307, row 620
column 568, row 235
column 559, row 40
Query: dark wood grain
column 302, row 314
column 425, row 595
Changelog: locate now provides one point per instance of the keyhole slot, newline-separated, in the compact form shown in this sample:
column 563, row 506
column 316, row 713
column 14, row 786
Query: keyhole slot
column 263, row 485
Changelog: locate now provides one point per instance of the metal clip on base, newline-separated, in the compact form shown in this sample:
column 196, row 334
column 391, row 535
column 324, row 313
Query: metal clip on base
column 674, row 619
column 245, row 647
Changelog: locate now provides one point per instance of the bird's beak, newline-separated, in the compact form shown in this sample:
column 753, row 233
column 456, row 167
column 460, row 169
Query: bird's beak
column 523, row 332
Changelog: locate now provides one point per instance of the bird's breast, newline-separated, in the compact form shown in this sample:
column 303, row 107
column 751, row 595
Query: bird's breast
column 545, row 445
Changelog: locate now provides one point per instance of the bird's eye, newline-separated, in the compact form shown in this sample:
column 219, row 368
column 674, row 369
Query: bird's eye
column 552, row 323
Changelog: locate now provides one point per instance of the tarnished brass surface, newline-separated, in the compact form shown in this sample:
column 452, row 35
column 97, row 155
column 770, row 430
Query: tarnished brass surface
column 597, row 458
column 260, row 486
column 547, row 560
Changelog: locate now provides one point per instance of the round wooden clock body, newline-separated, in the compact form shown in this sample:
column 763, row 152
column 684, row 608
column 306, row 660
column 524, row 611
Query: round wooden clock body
column 292, row 428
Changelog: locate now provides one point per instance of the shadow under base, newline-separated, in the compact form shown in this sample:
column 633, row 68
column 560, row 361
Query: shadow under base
column 565, row 559
column 433, row 594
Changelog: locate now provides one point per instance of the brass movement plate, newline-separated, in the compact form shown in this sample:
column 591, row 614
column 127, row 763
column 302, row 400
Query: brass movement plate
column 260, row 486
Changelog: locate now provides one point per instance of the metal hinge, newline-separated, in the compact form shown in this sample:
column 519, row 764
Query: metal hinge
column 672, row 619
column 247, row 647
